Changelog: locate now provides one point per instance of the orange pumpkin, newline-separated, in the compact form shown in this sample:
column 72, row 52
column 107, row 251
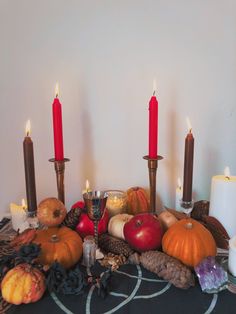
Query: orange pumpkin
column 137, row 201
column 51, row 212
column 189, row 241
column 23, row 284
column 59, row 244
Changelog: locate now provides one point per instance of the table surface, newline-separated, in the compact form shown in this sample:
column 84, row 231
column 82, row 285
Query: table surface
column 133, row 289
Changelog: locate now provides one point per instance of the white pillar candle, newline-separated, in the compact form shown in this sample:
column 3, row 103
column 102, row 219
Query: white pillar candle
column 19, row 216
column 223, row 201
column 178, row 196
column 232, row 256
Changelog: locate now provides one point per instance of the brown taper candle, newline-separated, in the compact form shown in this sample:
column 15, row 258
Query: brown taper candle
column 188, row 167
column 29, row 173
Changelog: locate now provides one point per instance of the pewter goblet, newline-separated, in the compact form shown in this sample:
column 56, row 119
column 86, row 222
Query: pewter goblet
column 95, row 204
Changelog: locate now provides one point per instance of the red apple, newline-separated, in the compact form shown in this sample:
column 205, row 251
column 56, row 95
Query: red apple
column 86, row 226
column 143, row 232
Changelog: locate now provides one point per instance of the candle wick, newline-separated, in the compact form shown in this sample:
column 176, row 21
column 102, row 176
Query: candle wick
column 154, row 93
column 56, row 96
column 190, row 130
column 227, row 177
column 27, row 133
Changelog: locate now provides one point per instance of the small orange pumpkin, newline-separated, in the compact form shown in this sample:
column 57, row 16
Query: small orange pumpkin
column 189, row 241
column 59, row 244
column 23, row 284
column 137, row 201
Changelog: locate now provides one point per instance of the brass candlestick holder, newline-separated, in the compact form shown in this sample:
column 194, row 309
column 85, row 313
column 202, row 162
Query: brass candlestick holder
column 59, row 166
column 152, row 169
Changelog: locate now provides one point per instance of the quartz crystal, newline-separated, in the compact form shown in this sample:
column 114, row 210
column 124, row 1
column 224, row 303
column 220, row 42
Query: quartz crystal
column 212, row 277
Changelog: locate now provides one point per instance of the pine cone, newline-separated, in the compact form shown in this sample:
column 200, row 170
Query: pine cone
column 200, row 209
column 72, row 218
column 166, row 267
column 114, row 245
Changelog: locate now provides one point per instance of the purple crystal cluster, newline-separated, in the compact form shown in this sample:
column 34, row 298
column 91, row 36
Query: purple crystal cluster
column 212, row 277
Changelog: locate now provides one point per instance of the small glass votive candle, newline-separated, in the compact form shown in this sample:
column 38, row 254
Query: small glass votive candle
column 89, row 251
column 116, row 202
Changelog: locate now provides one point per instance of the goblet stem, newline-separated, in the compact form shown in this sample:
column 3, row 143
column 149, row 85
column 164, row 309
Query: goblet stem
column 96, row 232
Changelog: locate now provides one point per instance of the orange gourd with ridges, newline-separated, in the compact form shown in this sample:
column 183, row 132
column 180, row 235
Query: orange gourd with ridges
column 189, row 241
column 23, row 284
column 137, row 201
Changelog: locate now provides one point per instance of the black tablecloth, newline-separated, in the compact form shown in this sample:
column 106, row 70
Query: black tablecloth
column 134, row 290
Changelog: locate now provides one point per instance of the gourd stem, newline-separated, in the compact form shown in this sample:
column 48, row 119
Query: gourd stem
column 189, row 225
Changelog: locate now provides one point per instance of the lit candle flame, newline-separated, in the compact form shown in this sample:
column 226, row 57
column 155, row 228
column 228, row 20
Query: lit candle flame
column 87, row 186
column 189, row 124
column 227, row 172
column 179, row 183
column 23, row 204
column 154, row 86
column 57, row 90
column 27, row 128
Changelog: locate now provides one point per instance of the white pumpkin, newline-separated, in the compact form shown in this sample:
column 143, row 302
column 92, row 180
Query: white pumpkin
column 116, row 225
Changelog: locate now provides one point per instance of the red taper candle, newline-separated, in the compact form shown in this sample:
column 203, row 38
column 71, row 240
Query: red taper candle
column 153, row 126
column 57, row 127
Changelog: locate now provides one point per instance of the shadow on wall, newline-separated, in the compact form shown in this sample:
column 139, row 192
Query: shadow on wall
column 170, row 160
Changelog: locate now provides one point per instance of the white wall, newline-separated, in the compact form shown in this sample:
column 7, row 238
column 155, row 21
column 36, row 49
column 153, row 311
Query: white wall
column 105, row 55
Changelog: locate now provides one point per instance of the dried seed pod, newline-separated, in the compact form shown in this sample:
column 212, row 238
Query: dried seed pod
column 217, row 230
column 114, row 245
column 200, row 209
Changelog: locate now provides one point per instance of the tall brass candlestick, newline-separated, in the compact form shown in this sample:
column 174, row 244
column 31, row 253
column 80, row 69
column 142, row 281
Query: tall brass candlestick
column 59, row 166
column 152, row 169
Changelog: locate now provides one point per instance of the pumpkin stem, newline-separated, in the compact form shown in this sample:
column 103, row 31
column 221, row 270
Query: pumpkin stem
column 54, row 238
column 189, row 225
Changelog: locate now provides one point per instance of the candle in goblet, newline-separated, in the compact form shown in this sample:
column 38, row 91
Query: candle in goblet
column 87, row 188
column 95, row 204
column 116, row 202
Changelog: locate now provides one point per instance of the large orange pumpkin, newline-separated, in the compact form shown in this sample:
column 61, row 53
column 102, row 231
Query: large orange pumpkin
column 189, row 241
column 23, row 284
column 59, row 244
column 137, row 201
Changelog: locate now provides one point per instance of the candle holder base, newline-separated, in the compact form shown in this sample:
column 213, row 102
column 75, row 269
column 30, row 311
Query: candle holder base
column 186, row 207
column 59, row 166
column 152, row 169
